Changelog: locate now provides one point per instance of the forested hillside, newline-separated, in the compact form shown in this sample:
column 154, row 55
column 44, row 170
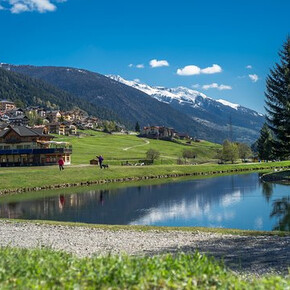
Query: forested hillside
column 26, row 91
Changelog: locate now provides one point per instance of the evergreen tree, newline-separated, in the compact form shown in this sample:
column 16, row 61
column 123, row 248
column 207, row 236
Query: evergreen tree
column 278, row 103
column 265, row 144
column 137, row 127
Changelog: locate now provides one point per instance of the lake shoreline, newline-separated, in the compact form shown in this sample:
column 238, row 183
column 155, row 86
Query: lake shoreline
column 163, row 173
column 277, row 177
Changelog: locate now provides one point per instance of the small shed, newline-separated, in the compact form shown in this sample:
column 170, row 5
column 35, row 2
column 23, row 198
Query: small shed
column 94, row 162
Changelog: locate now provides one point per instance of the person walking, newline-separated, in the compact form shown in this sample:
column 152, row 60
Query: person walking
column 100, row 159
column 60, row 164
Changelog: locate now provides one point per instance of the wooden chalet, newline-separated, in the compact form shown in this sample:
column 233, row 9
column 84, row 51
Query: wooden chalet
column 23, row 146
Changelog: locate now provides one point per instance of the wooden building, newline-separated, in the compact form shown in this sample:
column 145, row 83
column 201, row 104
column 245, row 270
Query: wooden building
column 6, row 106
column 23, row 146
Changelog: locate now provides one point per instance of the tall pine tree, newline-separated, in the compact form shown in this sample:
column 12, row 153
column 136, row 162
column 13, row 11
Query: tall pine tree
column 278, row 103
column 137, row 127
column 265, row 144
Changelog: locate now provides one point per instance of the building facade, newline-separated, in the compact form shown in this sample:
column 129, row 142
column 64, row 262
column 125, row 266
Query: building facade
column 158, row 132
column 23, row 146
column 6, row 106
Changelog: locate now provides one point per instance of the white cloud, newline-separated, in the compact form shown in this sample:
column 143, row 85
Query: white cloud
column 195, row 70
column 1, row 7
column 254, row 78
column 249, row 66
column 216, row 86
column 189, row 70
column 137, row 80
column 41, row 6
column 215, row 68
column 158, row 63
column 141, row 65
column 19, row 8
column 195, row 86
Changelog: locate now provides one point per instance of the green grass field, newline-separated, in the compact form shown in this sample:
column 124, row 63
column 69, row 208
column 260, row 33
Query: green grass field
column 118, row 148
column 29, row 177
column 47, row 269
column 115, row 149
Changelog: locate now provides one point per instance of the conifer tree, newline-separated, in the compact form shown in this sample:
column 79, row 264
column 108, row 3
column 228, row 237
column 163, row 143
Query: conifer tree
column 278, row 103
column 137, row 127
column 265, row 144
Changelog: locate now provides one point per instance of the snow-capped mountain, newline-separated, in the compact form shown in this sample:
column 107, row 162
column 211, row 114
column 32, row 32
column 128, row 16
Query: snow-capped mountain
column 218, row 114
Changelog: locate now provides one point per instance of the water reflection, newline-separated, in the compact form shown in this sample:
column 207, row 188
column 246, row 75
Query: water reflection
column 236, row 201
column 267, row 190
column 281, row 210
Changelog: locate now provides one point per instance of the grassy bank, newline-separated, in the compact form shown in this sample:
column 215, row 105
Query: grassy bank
column 46, row 269
column 120, row 148
column 43, row 177
column 280, row 176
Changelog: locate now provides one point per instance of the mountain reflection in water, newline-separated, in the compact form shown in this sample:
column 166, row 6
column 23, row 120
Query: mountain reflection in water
column 237, row 201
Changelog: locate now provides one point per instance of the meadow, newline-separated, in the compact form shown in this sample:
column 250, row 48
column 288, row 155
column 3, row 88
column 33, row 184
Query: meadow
column 119, row 148
column 30, row 177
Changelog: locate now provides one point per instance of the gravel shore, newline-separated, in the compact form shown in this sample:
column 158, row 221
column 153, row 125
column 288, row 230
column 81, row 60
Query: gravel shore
column 247, row 254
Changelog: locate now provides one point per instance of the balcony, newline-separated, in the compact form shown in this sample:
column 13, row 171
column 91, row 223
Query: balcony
column 37, row 151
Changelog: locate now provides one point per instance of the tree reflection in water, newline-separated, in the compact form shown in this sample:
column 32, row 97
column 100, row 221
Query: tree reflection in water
column 267, row 190
column 281, row 210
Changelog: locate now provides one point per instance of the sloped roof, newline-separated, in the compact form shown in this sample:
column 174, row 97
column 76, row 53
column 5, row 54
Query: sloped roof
column 25, row 132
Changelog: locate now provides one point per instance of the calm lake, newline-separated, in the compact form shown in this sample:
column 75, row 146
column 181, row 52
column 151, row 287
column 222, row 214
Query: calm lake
column 236, row 201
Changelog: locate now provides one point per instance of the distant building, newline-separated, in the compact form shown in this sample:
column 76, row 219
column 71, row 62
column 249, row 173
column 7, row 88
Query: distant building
column 22, row 146
column 6, row 106
column 183, row 136
column 158, row 132
column 19, row 121
column 36, row 110
column 64, row 128
column 53, row 116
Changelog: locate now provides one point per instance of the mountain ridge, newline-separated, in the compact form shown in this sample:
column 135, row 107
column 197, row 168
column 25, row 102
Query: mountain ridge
column 131, row 104
column 203, row 109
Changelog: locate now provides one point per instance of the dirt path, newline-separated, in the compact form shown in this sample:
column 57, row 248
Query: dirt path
column 145, row 141
column 247, row 254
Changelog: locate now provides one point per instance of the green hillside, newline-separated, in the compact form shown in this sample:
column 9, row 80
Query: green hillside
column 25, row 91
column 118, row 148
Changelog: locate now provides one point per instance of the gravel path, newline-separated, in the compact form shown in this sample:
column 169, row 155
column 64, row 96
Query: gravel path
column 258, row 255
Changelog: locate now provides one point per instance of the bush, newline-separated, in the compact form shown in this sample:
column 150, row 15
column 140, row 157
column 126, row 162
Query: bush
column 152, row 154
column 188, row 153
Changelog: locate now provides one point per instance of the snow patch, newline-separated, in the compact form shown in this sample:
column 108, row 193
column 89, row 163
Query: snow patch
column 226, row 103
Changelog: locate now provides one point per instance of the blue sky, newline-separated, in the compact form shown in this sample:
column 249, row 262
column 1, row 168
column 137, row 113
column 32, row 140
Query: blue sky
column 202, row 44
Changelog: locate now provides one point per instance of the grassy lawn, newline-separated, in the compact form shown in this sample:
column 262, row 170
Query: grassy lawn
column 47, row 269
column 118, row 148
column 13, row 178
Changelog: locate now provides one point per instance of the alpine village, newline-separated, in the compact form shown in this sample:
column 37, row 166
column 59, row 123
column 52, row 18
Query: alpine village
column 144, row 145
